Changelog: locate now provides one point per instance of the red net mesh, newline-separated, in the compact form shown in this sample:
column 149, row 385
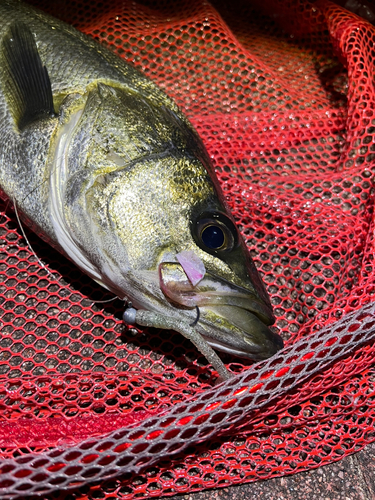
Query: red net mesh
column 283, row 98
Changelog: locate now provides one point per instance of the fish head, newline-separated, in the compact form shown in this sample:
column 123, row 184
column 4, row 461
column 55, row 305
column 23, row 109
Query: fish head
column 149, row 193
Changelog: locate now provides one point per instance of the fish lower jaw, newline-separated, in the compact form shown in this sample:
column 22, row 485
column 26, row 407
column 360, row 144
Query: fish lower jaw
column 239, row 332
column 254, row 356
column 230, row 350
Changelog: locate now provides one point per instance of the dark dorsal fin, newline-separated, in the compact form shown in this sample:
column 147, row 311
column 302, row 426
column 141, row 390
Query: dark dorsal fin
column 27, row 84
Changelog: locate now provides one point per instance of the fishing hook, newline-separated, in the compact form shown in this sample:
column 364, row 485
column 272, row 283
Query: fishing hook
column 197, row 318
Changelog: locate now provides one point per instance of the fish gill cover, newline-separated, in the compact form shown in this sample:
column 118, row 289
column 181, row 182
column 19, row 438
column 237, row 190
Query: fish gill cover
column 282, row 95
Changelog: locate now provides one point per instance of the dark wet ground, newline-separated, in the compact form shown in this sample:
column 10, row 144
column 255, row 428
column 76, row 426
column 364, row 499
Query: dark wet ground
column 353, row 478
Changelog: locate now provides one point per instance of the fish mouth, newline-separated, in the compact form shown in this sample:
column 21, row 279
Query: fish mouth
column 232, row 319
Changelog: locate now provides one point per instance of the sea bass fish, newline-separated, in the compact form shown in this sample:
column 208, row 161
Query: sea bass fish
column 105, row 167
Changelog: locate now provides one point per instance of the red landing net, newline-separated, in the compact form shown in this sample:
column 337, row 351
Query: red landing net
column 285, row 105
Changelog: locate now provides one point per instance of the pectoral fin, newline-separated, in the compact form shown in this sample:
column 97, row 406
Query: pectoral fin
column 27, row 85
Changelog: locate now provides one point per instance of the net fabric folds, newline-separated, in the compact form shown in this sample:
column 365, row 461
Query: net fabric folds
column 282, row 95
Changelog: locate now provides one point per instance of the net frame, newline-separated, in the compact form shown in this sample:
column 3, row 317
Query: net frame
column 267, row 411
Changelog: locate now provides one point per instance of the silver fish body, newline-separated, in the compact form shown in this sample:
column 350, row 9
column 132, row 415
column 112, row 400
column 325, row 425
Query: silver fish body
column 114, row 176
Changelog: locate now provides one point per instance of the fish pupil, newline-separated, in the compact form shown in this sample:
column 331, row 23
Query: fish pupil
column 213, row 237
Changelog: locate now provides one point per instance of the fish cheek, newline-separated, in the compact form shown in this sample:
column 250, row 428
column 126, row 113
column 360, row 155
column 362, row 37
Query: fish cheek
column 147, row 211
column 142, row 216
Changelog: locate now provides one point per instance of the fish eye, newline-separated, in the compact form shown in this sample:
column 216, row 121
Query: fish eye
column 213, row 236
column 215, row 232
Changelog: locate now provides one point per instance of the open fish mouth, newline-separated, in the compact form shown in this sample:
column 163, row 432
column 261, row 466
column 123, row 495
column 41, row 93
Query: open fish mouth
column 232, row 319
